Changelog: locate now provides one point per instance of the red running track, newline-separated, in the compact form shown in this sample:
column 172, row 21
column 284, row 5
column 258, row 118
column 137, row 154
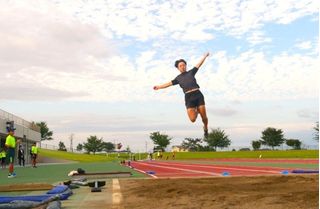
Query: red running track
column 302, row 161
column 178, row 169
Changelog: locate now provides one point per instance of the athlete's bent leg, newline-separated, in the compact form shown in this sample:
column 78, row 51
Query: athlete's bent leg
column 193, row 114
column 203, row 114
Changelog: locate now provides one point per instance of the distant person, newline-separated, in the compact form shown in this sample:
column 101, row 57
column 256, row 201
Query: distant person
column 11, row 146
column 158, row 155
column 34, row 154
column 173, row 155
column 21, row 156
column 194, row 99
column 3, row 158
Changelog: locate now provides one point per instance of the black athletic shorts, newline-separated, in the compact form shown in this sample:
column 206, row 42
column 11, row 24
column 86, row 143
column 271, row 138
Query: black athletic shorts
column 194, row 99
column 34, row 156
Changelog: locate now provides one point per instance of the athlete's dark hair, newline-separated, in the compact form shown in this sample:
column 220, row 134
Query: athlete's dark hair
column 178, row 61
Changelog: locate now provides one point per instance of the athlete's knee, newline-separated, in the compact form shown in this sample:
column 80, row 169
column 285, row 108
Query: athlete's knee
column 193, row 120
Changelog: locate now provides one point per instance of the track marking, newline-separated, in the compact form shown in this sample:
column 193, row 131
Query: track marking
column 153, row 176
column 181, row 169
column 116, row 194
column 226, row 168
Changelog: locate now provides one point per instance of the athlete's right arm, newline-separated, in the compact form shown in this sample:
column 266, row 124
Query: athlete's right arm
column 165, row 85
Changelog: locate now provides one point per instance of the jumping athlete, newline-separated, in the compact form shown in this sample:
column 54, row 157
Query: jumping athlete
column 194, row 99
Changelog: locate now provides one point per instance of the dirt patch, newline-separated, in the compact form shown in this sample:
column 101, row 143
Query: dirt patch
column 270, row 192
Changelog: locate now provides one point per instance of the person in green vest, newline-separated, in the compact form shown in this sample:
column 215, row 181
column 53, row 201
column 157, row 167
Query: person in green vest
column 34, row 154
column 11, row 151
column 3, row 158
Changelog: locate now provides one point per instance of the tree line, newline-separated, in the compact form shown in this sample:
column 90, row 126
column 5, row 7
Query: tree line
column 217, row 138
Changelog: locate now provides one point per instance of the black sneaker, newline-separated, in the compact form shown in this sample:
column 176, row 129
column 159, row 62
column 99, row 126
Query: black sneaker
column 205, row 133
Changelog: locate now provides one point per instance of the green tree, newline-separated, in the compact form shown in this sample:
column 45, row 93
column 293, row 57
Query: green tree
column 79, row 147
column 272, row 137
column 46, row 134
column 62, row 147
column 108, row 146
column 192, row 144
column 316, row 134
column 217, row 138
column 93, row 144
column 294, row 143
column 162, row 140
column 256, row 145
column 128, row 149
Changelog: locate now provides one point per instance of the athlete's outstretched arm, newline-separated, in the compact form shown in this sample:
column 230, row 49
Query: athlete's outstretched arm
column 202, row 60
column 165, row 85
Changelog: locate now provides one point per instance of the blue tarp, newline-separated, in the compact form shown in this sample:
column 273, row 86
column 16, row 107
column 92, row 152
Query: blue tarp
column 58, row 189
column 36, row 198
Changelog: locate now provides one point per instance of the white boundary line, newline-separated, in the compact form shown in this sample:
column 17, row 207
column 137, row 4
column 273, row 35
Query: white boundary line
column 182, row 169
column 116, row 194
column 141, row 171
column 226, row 168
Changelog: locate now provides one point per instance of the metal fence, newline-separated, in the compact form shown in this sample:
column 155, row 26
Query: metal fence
column 54, row 147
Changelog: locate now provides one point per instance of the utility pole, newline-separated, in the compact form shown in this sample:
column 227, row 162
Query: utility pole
column 146, row 147
column 71, row 142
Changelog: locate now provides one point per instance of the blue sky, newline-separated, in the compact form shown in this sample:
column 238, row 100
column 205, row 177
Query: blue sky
column 88, row 67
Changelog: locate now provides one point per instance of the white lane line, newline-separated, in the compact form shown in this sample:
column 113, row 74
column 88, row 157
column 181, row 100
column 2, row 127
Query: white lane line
column 181, row 169
column 141, row 171
column 116, row 194
column 226, row 168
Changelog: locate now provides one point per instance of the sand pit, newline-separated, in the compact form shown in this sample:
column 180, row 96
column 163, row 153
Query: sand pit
column 269, row 192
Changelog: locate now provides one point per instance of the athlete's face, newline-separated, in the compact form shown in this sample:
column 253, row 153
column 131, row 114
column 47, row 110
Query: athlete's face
column 182, row 67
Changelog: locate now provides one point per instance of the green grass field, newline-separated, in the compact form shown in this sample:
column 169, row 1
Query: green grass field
column 59, row 172
column 183, row 155
column 75, row 156
column 232, row 154
column 249, row 154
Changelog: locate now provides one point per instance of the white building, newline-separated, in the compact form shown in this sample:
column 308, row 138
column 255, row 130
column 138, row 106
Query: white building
column 26, row 131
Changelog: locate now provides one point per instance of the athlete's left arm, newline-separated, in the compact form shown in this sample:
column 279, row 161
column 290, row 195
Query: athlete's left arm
column 202, row 60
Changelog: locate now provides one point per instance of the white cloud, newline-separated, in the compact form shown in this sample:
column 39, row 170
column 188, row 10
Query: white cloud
column 308, row 113
column 257, row 37
column 251, row 76
column 305, row 45
column 185, row 20
column 227, row 111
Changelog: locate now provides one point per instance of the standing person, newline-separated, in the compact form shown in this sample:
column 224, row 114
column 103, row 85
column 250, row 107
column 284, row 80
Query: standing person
column 3, row 158
column 194, row 99
column 11, row 146
column 21, row 156
column 34, row 154
column 173, row 155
